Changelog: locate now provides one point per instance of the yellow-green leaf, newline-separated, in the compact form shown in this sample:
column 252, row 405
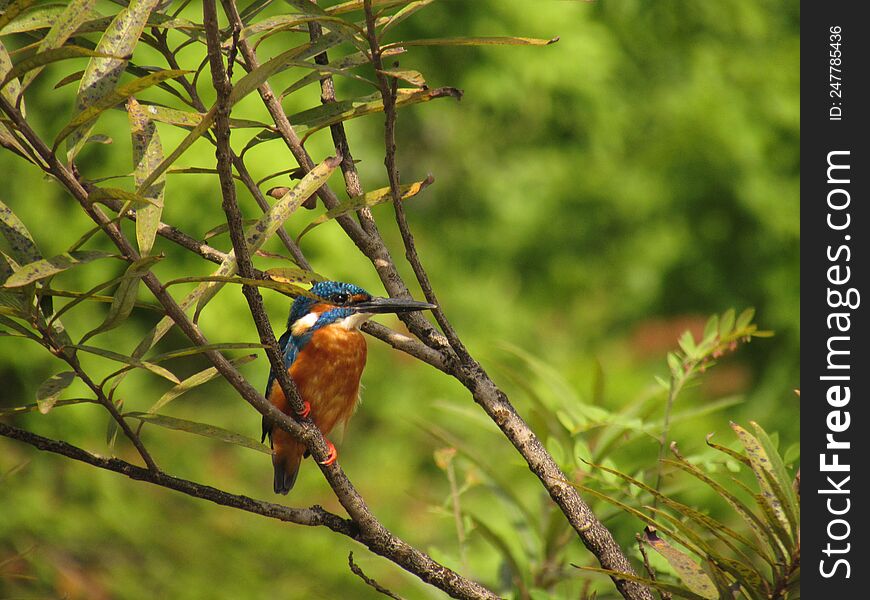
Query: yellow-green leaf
column 80, row 125
column 48, row 393
column 268, row 224
column 129, row 360
column 12, row 90
column 102, row 74
column 477, row 41
column 21, row 243
column 209, row 431
column 13, row 10
column 63, row 26
column 47, row 267
column 314, row 119
column 687, row 569
column 409, row 75
column 371, row 199
column 147, row 155
column 28, row 408
column 193, row 381
column 125, row 296
column 40, row 59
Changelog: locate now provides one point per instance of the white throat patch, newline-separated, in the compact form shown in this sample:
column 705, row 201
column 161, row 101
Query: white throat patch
column 354, row 321
column 302, row 325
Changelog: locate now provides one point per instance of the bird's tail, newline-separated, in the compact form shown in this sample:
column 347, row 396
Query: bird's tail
column 286, row 459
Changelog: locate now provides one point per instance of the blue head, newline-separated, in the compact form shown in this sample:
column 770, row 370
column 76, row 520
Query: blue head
column 345, row 304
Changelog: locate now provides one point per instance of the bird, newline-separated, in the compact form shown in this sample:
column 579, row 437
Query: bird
column 324, row 353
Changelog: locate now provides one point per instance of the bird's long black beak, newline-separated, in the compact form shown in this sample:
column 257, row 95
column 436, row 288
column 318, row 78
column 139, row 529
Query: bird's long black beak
column 390, row 305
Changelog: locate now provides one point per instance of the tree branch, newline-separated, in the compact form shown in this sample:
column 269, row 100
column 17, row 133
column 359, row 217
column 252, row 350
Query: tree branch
column 314, row 516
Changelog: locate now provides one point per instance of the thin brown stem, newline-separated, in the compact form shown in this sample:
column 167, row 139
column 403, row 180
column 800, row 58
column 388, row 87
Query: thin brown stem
column 356, row 570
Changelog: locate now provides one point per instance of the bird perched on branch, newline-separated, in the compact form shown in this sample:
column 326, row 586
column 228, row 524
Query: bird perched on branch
column 324, row 353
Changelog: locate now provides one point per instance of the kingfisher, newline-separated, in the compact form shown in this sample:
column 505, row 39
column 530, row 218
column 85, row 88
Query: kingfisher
column 324, row 354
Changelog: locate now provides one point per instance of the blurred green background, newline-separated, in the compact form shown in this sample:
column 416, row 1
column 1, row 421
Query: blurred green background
column 592, row 200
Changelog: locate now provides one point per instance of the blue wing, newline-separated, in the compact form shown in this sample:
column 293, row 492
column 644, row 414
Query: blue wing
column 289, row 350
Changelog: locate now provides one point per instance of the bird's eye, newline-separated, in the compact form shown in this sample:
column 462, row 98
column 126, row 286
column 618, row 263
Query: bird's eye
column 339, row 298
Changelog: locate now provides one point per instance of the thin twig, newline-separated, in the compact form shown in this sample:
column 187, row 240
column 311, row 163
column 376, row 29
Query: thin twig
column 356, row 570
column 314, row 516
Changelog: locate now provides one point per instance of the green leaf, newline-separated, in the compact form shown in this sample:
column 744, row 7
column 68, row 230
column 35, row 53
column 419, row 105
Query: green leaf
column 707, row 523
column 223, row 228
column 735, row 455
column 102, row 74
column 711, row 329
column 125, row 296
column 129, row 360
column 147, row 156
column 268, row 224
column 371, row 199
column 28, row 408
column 209, row 431
column 476, row 41
column 771, row 474
column 189, row 119
column 12, row 91
column 726, row 323
column 687, row 344
column 10, row 142
column 50, row 390
column 309, row 121
column 21, row 243
column 352, row 5
column 293, row 275
column 344, row 65
column 687, row 569
column 83, row 121
column 131, row 199
column 41, row 17
column 264, row 283
column 41, row 269
column 12, row 11
column 40, row 59
column 187, row 142
column 761, row 531
column 744, row 319
column 193, row 381
column 657, row 584
column 411, row 76
column 254, row 79
column 403, row 13
column 279, row 23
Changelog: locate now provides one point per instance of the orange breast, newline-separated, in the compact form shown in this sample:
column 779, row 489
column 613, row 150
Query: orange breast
column 327, row 372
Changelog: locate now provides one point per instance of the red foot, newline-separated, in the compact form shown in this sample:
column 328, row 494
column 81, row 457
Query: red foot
column 306, row 409
column 333, row 454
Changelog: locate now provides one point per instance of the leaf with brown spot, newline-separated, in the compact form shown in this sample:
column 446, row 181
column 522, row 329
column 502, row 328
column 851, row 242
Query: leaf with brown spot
column 147, row 155
column 41, row 269
column 267, row 225
column 687, row 569
column 50, row 390
column 102, row 74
